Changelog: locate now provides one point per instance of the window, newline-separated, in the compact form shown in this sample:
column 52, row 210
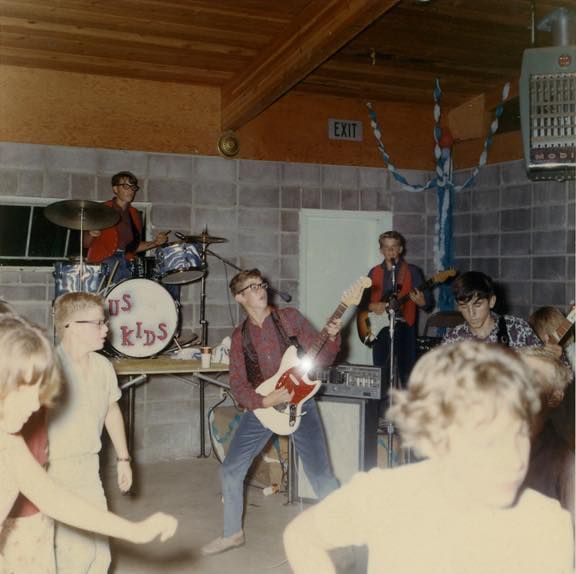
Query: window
column 29, row 239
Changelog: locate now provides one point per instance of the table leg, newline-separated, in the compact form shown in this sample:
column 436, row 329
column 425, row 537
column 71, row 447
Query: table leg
column 202, row 419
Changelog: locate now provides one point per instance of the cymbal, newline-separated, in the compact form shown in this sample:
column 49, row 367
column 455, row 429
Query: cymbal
column 81, row 214
column 204, row 237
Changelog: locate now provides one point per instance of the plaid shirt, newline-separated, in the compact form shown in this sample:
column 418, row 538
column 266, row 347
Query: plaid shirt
column 519, row 333
column 267, row 346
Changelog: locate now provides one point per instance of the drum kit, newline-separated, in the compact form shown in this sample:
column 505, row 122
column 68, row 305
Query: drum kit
column 144, row 319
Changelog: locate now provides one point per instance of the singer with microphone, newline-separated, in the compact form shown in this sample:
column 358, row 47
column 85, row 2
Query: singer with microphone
column 391, row 280
column 118, row 246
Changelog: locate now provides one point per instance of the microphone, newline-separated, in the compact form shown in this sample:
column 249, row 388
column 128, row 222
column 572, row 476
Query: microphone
column 282, row 294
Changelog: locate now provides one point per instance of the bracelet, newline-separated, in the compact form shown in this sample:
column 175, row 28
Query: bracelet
column 123, row 459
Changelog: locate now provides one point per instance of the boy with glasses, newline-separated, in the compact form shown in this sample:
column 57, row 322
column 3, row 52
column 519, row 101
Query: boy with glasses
column 122, row 242
column 258, row 345
column 89, row 404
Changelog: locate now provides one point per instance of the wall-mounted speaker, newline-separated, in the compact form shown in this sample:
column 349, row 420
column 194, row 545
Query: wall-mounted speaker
column 350, row 426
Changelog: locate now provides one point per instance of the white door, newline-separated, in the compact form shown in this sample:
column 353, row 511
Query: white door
column 336, row 248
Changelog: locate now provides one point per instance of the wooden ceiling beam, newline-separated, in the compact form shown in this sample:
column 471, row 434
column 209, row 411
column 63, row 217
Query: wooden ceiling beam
column 141, row 24
column 110, row 67
column 312, row 37
column 469, row 120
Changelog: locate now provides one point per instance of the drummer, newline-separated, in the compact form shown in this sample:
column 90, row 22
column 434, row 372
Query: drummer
column 122, row 242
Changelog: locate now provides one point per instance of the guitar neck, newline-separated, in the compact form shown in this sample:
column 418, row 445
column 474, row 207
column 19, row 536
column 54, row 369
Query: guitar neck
column 424, row 287
column 565, row 327
column 323, row 335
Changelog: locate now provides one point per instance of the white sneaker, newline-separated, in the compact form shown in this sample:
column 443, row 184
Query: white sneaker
column 221, row 544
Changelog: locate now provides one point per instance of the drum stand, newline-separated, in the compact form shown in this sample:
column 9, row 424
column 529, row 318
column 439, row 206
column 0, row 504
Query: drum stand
column 393, row 373
column 203, row 321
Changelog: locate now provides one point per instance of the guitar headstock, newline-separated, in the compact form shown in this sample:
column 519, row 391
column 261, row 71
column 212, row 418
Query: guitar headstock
column 353, row 294
column 442, row 276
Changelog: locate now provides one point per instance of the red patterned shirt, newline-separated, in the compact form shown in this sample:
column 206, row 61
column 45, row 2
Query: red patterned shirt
column 267, row 346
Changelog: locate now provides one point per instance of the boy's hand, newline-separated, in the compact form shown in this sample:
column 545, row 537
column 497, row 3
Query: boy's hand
column 124, row 473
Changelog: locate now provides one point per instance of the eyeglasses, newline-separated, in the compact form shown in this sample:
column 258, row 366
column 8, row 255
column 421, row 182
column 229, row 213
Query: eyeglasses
column 101, row 323
column 129, row 186
column 254, row 287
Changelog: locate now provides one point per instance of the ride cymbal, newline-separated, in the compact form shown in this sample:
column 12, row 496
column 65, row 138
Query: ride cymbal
column 81, row 214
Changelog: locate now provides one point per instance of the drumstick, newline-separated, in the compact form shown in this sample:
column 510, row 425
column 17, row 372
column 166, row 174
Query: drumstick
column 101, row 284
column 112, row 274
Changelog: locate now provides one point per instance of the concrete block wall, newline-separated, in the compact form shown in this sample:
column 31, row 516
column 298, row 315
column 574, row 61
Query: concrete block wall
column 253, row 204
column 521, row 233
column 504, row 225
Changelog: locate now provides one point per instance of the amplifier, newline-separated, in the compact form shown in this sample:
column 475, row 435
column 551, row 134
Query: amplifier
column 353, row 381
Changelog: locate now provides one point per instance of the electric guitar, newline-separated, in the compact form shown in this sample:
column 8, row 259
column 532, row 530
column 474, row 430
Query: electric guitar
column 292, row 374
column 560, row 336
column 370, row 324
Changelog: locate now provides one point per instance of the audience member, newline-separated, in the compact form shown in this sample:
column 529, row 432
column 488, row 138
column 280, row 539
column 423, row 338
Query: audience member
column 30, row 377
column 89, row 404
column 467, row 409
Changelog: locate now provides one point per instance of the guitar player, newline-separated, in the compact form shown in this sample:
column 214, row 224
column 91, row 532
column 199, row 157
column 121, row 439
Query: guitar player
column 257, row 348
column 408, row 278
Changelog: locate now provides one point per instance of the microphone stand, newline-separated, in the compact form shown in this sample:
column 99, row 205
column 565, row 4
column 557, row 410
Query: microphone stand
column 393, row 373
column 284, row 296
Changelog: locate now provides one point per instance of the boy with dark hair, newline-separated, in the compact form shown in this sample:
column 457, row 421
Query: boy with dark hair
column 122, row 242
column 476, row 298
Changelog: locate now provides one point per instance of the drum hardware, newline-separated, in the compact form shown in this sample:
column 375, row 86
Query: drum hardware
column 204, row 238
column 83, row 215
column 283, row 295
column 177, row 346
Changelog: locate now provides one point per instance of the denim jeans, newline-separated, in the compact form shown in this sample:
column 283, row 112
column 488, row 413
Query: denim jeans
column 249, row 440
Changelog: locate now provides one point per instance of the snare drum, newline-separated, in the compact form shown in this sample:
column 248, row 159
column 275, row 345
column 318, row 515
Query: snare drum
column 143, row 318
column 178, row 263
column 69, row 279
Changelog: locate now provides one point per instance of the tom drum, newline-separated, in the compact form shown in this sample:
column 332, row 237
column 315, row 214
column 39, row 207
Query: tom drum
column 70, row 278
column 178, row 263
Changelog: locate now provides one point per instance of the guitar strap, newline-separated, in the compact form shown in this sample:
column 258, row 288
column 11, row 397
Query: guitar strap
column 404, row 281
column 253, row 371
column 502, row 335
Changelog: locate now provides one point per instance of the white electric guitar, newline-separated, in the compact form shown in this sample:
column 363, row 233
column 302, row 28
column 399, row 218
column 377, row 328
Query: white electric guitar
column 292, row 374
column 370, row 324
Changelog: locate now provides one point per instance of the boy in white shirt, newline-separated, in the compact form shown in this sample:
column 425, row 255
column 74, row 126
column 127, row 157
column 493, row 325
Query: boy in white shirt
column 467, row 409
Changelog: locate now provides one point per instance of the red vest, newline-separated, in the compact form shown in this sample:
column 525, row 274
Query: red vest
column 404, row 279
column 35, row 434
column 106, row 243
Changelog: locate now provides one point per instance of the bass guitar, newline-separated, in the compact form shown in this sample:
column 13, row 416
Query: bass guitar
column 292, row 374
column 370, row 324
column 560, row 335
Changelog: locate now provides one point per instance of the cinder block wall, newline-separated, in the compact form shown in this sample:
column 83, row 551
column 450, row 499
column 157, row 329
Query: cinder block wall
column 519, row 232
column 255, row 205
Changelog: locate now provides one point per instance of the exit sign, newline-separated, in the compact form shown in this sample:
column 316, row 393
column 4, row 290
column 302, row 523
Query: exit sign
column 345, row 130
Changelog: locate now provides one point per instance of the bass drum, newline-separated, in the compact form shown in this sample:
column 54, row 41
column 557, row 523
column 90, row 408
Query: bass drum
column 143, row 318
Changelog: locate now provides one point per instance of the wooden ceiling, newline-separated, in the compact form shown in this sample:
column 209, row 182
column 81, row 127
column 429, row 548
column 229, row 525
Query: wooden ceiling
column 257, row 50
